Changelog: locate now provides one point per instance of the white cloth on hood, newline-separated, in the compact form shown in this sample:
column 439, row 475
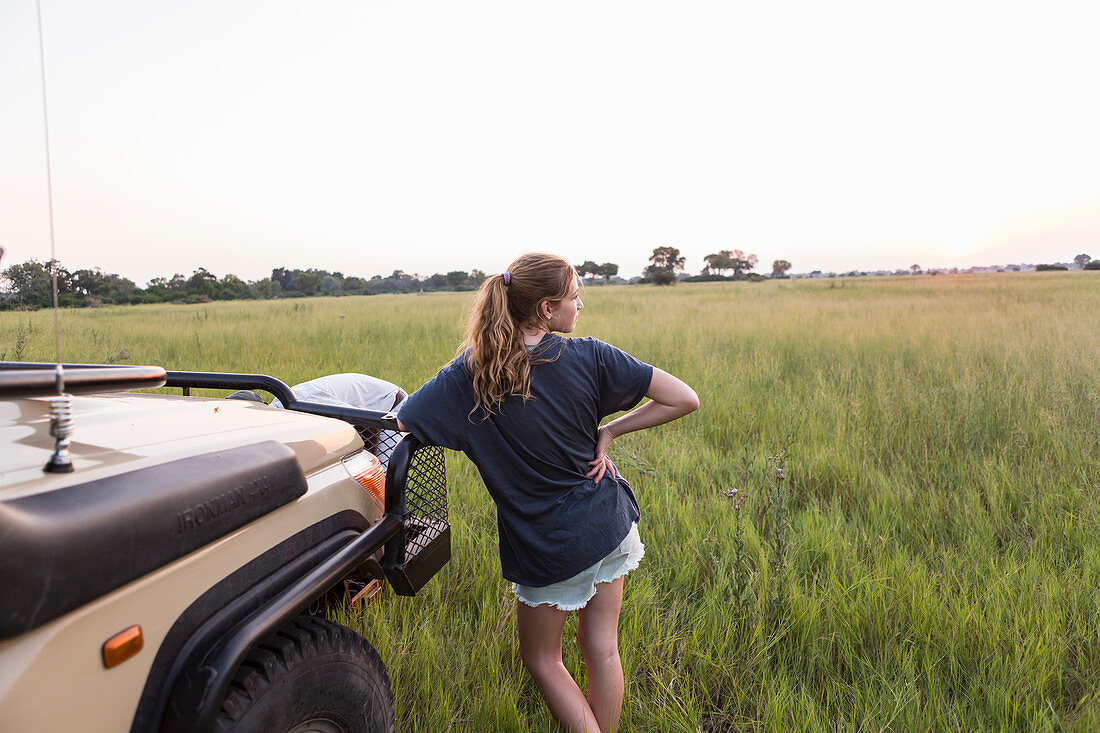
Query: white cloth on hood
column 354, row 390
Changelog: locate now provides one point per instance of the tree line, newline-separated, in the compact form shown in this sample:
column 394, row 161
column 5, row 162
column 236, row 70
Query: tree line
column 29, row 285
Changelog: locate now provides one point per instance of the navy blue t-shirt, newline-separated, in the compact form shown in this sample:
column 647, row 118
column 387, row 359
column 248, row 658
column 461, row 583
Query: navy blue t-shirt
column 552, row 520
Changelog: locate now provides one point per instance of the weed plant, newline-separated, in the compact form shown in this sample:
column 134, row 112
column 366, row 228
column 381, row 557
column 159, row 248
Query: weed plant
column 940, row 565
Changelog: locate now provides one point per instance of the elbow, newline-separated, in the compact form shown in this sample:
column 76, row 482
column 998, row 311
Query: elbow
column 691, row 401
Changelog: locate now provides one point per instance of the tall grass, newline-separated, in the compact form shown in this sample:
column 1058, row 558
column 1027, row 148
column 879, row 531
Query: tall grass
column 941, row 438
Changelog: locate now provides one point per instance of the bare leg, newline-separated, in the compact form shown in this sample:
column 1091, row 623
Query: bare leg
column 598, row 637
column 540, row 648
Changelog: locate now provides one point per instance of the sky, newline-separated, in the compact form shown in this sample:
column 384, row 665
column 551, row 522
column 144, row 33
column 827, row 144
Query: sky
column 369, row 136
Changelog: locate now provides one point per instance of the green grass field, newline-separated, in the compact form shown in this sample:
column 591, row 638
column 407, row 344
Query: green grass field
column 932, row 561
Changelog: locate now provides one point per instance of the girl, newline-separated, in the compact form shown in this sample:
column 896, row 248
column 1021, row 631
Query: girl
column 525, row 405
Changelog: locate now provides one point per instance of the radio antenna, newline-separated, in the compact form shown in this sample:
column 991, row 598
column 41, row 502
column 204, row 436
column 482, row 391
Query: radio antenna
column 61, row 415
column 49, row 193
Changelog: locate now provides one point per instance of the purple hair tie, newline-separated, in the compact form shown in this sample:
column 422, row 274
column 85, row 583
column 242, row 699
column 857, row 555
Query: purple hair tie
column 507, row 278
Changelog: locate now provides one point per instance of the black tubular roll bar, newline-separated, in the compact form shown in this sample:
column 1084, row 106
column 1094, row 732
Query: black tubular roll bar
column 217, row 380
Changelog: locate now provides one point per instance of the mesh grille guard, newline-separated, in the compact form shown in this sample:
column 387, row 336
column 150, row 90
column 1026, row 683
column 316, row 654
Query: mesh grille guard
column 416, row 490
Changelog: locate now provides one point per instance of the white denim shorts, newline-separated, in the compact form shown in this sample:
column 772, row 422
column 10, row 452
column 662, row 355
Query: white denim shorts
column 574, row 593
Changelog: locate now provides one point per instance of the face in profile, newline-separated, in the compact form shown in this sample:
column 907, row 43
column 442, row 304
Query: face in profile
column 564, row 313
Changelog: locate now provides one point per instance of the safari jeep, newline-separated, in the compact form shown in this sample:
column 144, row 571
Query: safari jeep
column 166, row 560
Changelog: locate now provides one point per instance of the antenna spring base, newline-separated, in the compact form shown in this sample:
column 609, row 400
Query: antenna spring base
column 61, row 427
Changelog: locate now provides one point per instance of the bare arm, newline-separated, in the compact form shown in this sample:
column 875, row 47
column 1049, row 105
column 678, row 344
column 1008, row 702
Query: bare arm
column 669, row 398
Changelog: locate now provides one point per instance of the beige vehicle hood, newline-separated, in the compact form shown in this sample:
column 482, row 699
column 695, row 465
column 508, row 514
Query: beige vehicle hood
column 127, row 431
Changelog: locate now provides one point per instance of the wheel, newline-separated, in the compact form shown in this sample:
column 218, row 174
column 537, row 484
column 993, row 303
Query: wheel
column 310, row 676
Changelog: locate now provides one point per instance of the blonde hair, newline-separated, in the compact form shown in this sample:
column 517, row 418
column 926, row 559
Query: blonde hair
column 496, row 356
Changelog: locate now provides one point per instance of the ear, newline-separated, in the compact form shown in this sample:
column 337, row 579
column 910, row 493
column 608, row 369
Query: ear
column 545, row 311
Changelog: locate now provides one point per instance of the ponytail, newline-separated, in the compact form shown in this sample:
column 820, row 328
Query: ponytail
column 496, row 356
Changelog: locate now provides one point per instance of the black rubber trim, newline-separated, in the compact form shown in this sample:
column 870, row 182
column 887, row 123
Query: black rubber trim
column 227, row 603
column 64, row 548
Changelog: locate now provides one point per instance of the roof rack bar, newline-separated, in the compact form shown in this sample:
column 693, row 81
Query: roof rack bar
column 40, row 380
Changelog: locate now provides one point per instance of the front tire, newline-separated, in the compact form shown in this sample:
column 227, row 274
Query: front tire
column 311, row 675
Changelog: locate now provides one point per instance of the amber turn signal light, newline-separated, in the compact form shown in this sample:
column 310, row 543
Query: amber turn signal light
column 366, row 469
column 122, row 646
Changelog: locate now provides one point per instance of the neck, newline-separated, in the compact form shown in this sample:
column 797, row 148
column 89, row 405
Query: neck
column 533, row 334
